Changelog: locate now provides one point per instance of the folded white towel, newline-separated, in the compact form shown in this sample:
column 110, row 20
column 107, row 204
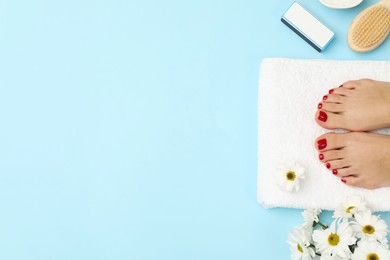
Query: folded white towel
column 289, row 92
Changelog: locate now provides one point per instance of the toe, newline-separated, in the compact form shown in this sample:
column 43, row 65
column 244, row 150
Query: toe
column 329, row 141
column 332, row 107
column 344, row 172
column 337, row 164
column 350, row 84
column 361, row 182
column 333, row 98
column 341, row 91
column 321, row 143
column 330, row 155
column 352, row 181
column 329, row 120
column 334, row 142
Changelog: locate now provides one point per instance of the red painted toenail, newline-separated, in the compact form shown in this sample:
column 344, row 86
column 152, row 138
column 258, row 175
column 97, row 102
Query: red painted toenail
column 322, row 116
column 330, row 91
column 325, row 97
column 319, row 106
column 327, row 165
column 334, row 171
column 321, row 144
column 341, row 86
column 344, row 180
column 321, row 156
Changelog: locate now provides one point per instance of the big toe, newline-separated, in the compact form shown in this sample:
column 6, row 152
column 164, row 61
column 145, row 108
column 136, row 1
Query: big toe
column 329, row 120
column 329, row 141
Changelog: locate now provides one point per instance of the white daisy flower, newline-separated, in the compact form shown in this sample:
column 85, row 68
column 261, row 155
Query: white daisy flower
column 335, row 240
column 349, row 207
column 372, row 250
column 288, row 176
column 370, row 227
column 300, row 240
column 311, row 216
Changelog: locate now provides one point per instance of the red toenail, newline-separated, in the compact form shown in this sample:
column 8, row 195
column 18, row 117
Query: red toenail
column 334, row 171
column 321, row 156
column 330, row 91
column 341, row 86
column 344, row 180
column 325, row 97
column 327, row 165
column 319, row 106
column 322, row 116
column 321, row 144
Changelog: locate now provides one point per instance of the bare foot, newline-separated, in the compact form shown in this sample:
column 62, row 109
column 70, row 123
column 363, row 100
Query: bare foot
column 360, row 105
column 360, row 159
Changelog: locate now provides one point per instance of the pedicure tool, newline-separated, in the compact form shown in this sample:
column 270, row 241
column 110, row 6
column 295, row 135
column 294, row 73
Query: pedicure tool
column 308, row 27
column 370, row 28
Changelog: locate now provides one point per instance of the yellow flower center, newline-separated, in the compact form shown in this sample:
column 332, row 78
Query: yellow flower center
column 348, row 210
column 299, row 248
column 333, row 239
column 368, row 229
column 372, row 256
column 291, row 176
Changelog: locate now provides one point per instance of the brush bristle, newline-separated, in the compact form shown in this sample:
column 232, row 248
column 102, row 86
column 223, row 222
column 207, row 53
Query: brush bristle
column 372, row 28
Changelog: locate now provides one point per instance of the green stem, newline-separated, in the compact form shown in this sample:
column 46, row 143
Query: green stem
column 322, row 225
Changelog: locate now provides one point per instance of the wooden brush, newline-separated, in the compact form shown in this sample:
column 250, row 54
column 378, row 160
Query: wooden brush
column 370, row 28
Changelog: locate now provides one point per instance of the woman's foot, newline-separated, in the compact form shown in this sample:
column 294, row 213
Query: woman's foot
column 358, row 158
column 360, row 105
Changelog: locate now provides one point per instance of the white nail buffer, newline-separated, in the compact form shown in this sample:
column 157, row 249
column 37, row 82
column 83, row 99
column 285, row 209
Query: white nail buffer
column 307, row 26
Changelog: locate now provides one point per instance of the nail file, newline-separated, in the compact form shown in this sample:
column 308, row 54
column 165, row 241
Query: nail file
column 307, row 27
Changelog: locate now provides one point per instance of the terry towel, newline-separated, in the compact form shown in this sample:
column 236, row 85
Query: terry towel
column 289, row 92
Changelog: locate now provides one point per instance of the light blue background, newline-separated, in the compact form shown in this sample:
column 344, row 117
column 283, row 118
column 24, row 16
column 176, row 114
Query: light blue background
column 129, row 129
